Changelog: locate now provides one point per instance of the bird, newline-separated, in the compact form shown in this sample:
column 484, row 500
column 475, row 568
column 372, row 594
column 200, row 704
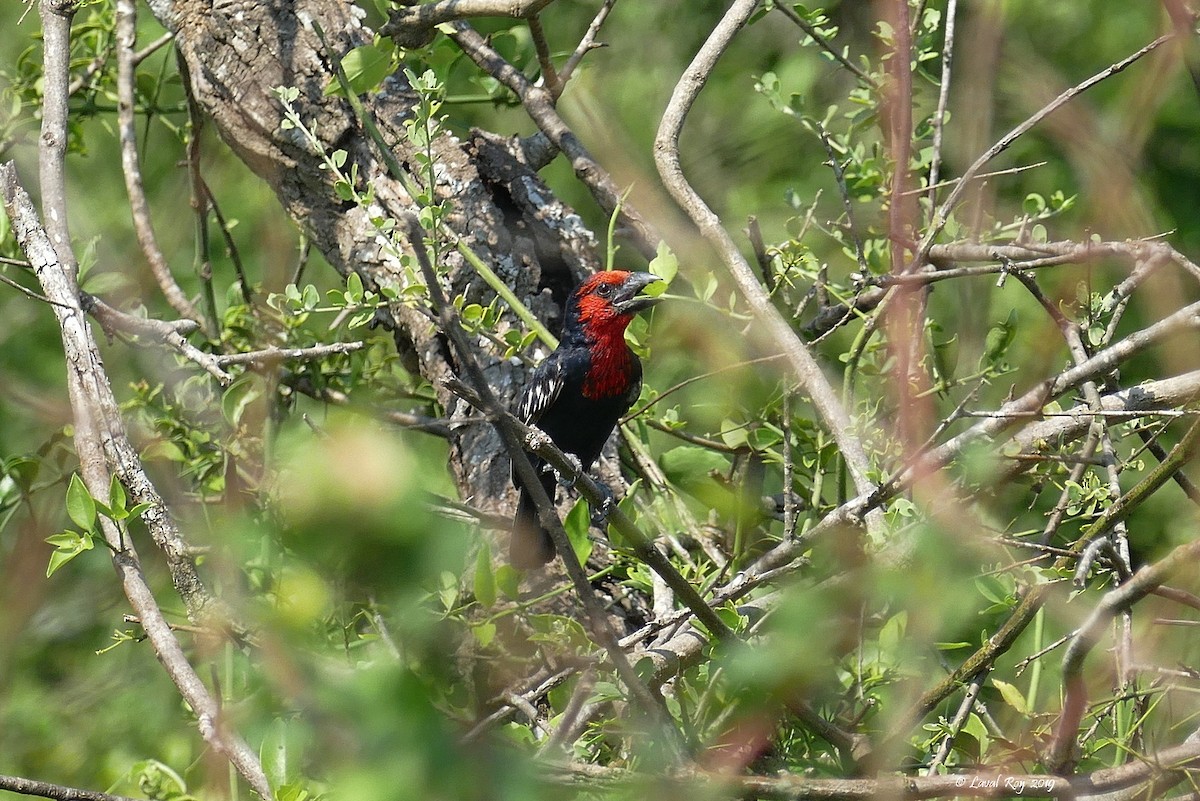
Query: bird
column 579, row 392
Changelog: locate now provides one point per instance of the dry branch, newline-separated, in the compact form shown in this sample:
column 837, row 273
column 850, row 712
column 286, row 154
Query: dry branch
column 103, row 448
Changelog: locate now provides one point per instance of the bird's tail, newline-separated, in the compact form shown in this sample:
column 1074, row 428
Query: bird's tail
column 531, row 545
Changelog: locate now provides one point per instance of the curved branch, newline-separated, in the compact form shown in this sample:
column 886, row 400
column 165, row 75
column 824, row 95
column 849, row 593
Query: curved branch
column 126, row 68
column 666, row 156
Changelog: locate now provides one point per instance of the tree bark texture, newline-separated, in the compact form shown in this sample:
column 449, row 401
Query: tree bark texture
column 238, row 51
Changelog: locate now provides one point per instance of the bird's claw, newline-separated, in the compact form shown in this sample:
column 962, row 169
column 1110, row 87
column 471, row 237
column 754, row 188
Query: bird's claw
column 566, row 480
column 600, row 514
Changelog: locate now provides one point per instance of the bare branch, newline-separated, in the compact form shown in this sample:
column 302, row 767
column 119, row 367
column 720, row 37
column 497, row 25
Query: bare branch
column 140, row 208
column 1165, row 765
column 171, row 334
column 273, row 355
column 666, row 156
column 52, row 150
column 943, row 212
column 99, row 438
column 413, row 26
column 939, row 117
column 585, row 46
column 1139, row 586
column 16, row 784
column 539, row 103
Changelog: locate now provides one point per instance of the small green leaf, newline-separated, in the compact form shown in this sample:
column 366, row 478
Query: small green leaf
column 68, row 545
column 484, row 633
column 137, row 511
column 311, row 298
column 1012, row 696
column 577, row 523
column 80, row 506
column 665, row 265
column 508, row 580
column 485, row 579
column 116, row 498
column 237, row 398
column 354, row 288
column 273, row 753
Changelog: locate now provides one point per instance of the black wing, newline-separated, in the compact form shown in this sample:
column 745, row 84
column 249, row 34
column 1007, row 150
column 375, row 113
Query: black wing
column 541, row 390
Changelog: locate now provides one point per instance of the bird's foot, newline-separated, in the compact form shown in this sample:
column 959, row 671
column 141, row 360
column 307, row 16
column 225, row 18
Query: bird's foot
column 567, row 479
column 600, row 513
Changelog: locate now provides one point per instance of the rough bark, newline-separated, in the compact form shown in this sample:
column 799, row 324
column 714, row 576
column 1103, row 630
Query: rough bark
column 238, row 51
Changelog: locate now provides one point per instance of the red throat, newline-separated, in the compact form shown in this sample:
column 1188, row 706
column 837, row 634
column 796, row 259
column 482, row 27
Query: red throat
column 605, row 328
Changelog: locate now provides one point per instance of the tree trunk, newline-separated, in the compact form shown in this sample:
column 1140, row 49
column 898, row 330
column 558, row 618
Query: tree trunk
column 236, row 53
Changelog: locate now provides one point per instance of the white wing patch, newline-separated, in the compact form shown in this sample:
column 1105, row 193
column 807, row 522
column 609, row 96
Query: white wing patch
column 540, row 391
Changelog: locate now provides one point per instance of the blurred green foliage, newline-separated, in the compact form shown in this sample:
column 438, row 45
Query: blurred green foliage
column 383, row 632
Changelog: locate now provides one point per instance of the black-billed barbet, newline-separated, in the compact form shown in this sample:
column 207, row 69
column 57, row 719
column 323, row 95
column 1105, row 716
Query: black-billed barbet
column 579, row 392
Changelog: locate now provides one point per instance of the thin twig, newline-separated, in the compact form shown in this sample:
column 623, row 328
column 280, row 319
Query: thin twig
column 825, row 44
column 959, row 720
column 549, row 77
column 273, row 355
column 942, row 216
column 586, row 44
column 429, row 425
column 167, row 333
column 1139, row 586
column 139, row 206
column 939, row 117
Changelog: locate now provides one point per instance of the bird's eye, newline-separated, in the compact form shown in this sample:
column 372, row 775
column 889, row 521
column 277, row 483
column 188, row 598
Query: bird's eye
column 604, row 290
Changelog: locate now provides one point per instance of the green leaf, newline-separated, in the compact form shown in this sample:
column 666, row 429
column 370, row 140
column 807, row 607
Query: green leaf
column 65, row 539
column 238, row 397
column 80, row 506
column 577, row 523
column 354, row 288
column 508, row 580
column 1012, row 696
column 23, row 470
column 665, row 265
column 311, row 297
column 68, row 545
column 484, row 633
column 688, row 465
column 273, row 753
column 137, row 511
column 365, row 67
column 117, row 499
column 485, row 579
column 604, row 691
